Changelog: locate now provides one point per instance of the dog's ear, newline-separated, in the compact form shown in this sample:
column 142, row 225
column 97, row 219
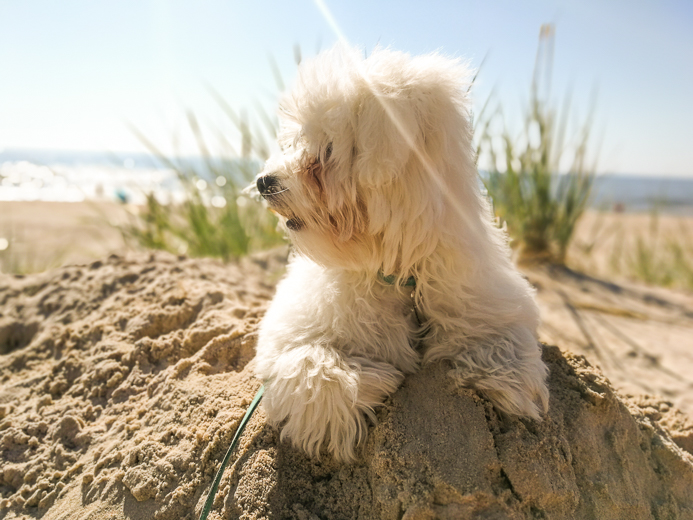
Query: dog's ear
column 387, row 134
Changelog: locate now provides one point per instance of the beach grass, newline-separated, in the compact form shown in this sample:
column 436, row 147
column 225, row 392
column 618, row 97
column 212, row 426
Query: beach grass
column 655, row 247
column 539, row 206
column 215, row 219
column 657, row 257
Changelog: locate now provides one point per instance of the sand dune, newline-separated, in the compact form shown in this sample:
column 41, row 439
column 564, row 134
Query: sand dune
column 122, row 382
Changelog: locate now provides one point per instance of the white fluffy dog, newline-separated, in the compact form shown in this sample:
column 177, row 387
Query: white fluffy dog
column 398, row 258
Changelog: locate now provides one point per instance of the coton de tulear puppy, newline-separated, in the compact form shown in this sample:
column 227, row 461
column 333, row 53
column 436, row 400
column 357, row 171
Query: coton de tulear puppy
column 398, row 260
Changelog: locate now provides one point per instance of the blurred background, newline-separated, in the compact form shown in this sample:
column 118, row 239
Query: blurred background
column 134, row 124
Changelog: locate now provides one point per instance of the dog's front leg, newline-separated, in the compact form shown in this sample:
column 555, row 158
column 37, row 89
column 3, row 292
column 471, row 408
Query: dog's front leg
column 505, row 366
column 326, row 362
column 320, row 397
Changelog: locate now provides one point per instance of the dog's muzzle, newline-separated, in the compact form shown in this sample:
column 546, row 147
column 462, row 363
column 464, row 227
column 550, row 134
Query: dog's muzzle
column 269, row 186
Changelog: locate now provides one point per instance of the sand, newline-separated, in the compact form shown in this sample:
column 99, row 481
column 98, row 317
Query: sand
column 641, row 337
column 122, row 382
column 46, row 235
column 606, row 244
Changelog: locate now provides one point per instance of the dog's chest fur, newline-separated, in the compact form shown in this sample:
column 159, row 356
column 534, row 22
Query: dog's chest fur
column 351, row 313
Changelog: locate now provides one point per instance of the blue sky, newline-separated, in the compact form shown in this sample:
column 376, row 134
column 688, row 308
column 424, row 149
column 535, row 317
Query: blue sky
column 76, row 72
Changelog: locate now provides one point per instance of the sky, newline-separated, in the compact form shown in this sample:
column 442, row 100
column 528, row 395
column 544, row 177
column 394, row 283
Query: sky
column 80, row 74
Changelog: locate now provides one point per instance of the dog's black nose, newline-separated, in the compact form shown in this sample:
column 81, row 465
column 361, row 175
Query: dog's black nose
column 267, row 184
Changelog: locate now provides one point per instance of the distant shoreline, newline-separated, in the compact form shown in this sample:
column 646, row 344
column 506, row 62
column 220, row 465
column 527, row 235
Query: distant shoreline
column 65, row 176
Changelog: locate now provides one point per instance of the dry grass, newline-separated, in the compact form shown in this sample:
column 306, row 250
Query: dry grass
column 653, row 248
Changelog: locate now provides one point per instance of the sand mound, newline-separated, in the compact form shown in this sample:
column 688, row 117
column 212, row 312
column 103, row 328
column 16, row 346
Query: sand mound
column 122, row 382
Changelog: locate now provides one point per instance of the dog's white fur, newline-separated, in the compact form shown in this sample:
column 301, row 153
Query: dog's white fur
column 377, row 177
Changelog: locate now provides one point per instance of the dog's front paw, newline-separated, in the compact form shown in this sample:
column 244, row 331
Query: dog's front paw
column 514, row 385
column 321, row 400
column 314, row 410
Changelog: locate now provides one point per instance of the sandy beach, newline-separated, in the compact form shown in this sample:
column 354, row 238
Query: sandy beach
column 123, row 379
column 45, row 235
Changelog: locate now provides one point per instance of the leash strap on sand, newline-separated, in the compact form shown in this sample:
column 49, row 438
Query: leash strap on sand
column 220, row 472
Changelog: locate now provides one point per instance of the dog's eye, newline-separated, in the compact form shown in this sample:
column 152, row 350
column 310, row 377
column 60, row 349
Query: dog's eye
column 328, row 151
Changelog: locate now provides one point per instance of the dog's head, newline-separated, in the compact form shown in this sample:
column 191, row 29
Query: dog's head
column 371, row 149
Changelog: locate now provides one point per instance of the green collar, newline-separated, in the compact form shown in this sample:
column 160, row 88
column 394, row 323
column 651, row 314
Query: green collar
column 390, row 280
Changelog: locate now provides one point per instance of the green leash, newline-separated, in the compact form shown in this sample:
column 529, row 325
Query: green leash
column 391, row 278
column 409, row 282
column 220, row 472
